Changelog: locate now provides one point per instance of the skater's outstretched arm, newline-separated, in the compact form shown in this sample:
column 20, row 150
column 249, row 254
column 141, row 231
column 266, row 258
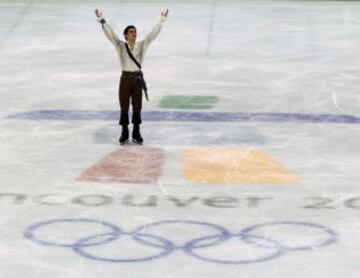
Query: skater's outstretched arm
column 109, row 32
column 157, row 28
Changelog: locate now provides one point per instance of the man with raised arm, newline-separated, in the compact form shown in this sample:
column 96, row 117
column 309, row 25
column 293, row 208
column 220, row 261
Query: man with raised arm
column 131, row 54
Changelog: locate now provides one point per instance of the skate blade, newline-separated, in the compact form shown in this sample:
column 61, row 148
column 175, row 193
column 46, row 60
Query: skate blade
column 123, row 143
column 137, row 142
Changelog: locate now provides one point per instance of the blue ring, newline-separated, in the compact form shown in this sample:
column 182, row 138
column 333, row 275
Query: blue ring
column 79, row 248
column 29, row 232
column 330, row 240
column 278, row 252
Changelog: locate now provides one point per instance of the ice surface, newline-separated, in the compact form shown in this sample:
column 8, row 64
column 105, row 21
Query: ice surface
column 259, row 179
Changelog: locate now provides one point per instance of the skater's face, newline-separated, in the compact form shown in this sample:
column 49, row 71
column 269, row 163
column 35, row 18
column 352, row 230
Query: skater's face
column 131, row 34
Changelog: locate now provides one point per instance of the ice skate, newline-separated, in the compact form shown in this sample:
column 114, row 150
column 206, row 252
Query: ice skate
column 124, row 138
column 136, row 135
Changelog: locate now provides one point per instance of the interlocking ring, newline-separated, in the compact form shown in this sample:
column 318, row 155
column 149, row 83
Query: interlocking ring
column 30, row 231
column 329, row 239
column 200, row 247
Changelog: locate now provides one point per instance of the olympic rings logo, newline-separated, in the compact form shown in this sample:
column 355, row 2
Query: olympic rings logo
column 217, row 245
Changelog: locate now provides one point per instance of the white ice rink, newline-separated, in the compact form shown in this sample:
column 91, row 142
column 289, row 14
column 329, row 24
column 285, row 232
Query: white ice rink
column 250, row 166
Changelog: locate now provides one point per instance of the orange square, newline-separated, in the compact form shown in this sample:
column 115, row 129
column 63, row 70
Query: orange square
column 234, row 166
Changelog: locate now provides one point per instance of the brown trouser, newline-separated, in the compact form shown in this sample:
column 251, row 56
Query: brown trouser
column 130, row 88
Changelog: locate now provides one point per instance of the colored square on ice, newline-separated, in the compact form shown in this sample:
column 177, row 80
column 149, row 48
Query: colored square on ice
column 234, row 166
column 127, row 165
column 188, row 102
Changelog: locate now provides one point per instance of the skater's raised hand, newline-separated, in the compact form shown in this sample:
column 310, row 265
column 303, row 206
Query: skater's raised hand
column 98, row 14
column 165, row 14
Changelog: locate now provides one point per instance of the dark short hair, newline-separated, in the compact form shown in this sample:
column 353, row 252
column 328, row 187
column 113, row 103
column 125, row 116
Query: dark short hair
column 126, row 30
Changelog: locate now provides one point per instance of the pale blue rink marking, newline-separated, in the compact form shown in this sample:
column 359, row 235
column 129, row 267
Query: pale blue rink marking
column 81, row 115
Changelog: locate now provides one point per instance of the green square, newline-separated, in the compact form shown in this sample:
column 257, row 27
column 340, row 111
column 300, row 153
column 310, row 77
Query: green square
column 188, row 102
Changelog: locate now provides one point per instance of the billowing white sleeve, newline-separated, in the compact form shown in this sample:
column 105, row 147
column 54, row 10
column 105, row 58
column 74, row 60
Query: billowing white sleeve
column 110, row 34
column 155, row 31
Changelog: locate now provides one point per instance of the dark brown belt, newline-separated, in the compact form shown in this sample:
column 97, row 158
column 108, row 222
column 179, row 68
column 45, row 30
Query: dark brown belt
column 131, row 73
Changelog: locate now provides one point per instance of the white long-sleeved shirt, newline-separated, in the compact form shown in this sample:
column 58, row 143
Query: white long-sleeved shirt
column 139, row 49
